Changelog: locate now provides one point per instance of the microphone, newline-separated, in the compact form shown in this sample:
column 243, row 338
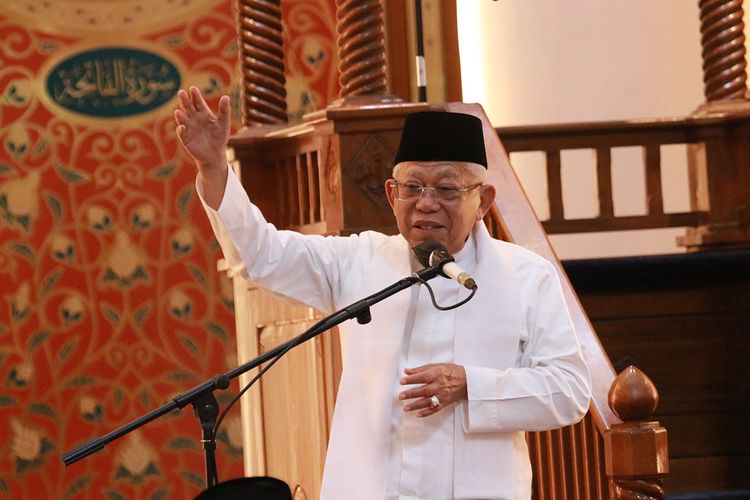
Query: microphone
column 431, row 253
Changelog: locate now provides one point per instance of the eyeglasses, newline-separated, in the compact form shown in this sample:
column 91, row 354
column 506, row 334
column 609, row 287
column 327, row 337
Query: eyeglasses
column 411, row 191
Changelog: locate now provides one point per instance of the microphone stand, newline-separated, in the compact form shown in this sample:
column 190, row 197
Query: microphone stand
column 202, row 397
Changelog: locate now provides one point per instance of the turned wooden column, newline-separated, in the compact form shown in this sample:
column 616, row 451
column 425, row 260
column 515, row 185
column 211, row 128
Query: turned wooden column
column 261, row 62
column 723, row 42
column 361, row 50
column 636, row 450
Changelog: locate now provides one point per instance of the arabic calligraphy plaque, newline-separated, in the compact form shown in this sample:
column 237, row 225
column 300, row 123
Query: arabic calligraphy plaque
column 112, row 82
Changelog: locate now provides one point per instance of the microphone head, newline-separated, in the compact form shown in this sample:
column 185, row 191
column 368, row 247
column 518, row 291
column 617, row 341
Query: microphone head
column 426, row 249
column 431, row 253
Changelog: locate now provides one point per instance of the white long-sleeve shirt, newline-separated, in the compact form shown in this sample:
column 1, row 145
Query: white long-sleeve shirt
column 515, row 340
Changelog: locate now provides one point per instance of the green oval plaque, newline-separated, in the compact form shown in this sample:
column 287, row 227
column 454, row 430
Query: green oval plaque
column 113, row 82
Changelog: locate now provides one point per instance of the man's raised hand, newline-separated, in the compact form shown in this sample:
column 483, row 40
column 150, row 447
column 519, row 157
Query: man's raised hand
column 204, row 136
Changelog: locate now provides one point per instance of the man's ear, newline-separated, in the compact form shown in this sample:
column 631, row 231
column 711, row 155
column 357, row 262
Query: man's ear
column 486, row 198
column 389, row 191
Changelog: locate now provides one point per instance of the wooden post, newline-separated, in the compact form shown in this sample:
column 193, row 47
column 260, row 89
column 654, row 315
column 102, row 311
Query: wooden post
column 724, row 66
column 720, row 180
column 720, row 168
column 635, row 450
column 261, row 62
column 361, row 47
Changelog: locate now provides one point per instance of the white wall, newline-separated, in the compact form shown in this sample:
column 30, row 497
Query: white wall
column 552, row 61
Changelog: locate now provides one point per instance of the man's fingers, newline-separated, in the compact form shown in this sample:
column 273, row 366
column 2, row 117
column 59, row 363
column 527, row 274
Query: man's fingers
column 198, row 101
column 424, row 391
column 182, row 134
column 184, row 100
column 421, row 377
column 180, row 117
column 424, row 406
column 418, row 369
column 428, row 412
column 419, row 404
column 224, row 114
column 224, row 104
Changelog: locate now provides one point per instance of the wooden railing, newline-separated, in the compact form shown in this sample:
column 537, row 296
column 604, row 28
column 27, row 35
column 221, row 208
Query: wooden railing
column 569, row 462
column 716, row 154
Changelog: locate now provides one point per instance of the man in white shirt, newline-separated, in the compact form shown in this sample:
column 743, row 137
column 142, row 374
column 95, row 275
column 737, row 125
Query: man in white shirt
column 432, row 404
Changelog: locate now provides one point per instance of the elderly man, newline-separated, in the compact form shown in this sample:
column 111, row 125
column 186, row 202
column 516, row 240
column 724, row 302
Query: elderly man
column 432, row 404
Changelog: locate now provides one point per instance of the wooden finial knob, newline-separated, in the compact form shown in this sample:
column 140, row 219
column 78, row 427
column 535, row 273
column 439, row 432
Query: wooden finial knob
column 633, row 396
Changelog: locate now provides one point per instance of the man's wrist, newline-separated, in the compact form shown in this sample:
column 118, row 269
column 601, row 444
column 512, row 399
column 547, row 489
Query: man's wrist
column 217, row 164
column 213, row 184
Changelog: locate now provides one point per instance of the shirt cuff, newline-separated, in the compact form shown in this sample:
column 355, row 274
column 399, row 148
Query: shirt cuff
column 481, row 411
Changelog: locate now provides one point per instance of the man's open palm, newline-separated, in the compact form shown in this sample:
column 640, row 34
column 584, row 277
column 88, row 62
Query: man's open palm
column 203, row 134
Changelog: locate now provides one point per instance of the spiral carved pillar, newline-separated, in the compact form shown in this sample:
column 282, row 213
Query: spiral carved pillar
column 261, row 62
column 723, row 41
column 361, row 47
column 719, row 165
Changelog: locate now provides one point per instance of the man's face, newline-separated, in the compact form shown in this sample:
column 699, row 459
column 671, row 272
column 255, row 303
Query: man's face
column 447, row 219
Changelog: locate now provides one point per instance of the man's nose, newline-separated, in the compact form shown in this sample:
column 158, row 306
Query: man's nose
column 427, row 200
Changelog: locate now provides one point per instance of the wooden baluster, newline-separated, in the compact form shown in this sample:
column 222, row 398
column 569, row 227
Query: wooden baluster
column 652, row 156
column 604, row 182
column 302, row 189
column 554, row 183
column 636, row 451
column 599, row 465
column 586, row 457
column 261, row 62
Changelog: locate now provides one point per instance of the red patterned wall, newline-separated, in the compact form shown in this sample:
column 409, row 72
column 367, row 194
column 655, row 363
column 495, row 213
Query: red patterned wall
column 110, row 302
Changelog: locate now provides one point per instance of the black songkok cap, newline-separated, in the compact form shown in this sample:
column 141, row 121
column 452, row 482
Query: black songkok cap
column 442, row 136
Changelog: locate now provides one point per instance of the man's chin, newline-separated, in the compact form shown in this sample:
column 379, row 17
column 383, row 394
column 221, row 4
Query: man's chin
column 419, row 235
column 416, row 240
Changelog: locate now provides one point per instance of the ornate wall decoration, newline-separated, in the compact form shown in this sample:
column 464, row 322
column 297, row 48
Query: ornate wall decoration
column 97, row 17
column 110, row 301
column 311, row 55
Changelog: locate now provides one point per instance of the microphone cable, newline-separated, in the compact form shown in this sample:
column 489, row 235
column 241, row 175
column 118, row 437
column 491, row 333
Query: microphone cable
column 434, row 301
